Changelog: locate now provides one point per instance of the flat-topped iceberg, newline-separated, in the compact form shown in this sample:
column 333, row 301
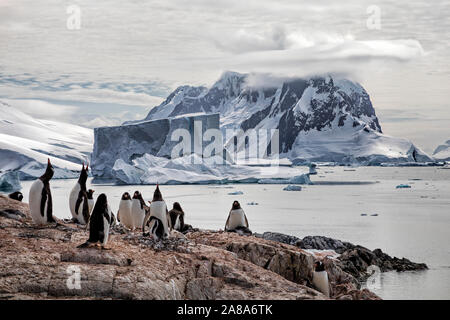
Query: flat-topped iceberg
column 9, row 181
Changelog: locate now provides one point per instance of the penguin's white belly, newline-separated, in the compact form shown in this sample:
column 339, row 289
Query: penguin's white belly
column 177, row 223
column 125, row 213
column 237, row 219
column 72, row 203
column 106, row 227
column 158, row 209
column 320, row 281
column 137, row 214
column 91, row 203
column 35, row 203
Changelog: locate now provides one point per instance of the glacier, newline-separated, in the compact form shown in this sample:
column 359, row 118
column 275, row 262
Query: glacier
column 26, row 143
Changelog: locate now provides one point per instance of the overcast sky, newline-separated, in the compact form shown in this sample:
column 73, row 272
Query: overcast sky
column 128, row 55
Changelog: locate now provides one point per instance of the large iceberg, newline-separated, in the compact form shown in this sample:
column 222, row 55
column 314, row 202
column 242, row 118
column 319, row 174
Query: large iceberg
column 193, row 169
column 115, row 148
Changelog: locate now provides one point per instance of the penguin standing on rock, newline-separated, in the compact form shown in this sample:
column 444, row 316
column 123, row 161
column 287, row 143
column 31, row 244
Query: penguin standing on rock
column 91, row 201
column 40, row 198
column 138, row 210
column 78, row 199
column 124, row 213
column 99, row 223
column 237, row 220
column 320, row 278
column 18, row 196
column 157, row 218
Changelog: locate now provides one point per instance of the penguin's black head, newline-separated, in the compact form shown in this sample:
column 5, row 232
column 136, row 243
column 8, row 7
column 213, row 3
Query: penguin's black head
column 137, row 195
column 157, row 196
column 177, row 206
column 16, row 196
column 102, row 203
column 236, row 205
column 126, row 196
column 84, row 174
column 90, row 194
column 49, row 172
column 319, row 266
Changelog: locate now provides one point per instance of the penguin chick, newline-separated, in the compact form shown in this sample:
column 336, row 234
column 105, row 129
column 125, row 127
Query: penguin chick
column 99, row 223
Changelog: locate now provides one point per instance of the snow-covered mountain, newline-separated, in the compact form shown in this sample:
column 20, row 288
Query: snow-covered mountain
column 26, row 143
column 442, row 152
column 319, row 118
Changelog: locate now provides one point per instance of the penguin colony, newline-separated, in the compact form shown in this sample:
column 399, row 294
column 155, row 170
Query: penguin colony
column 154, row 219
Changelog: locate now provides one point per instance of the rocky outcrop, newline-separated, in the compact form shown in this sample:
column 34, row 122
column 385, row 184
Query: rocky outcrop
column 45, row 263
column 353, row 259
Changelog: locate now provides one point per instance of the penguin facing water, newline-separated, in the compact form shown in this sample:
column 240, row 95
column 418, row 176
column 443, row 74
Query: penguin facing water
column 237, row 220
column 99, row 223
column 157, row 218
column 177, row 217
column 78, row 199
column 91, row 201
column 40, row 198
column 320, row 278
column 124, row 213
column 138, row 210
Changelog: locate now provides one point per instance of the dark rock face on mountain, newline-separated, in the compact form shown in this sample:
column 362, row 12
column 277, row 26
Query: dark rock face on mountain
column 318, row 118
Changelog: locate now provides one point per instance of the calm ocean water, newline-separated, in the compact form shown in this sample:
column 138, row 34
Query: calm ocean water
column 412, row 223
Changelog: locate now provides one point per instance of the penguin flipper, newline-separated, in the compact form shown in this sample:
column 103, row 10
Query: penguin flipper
column 228, row 220
column 147, row 217
column 246, row 221
column 43, row 200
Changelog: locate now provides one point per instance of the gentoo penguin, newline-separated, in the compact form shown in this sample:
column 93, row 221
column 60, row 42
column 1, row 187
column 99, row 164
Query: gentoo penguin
column 320, row 278
column 237, row 220
column 177, row 217
column 157, row 217
column 138, row 208
column 40, row 199
column 91, row 202
column 99, row 223
column 78, row 199
column 124, row 213
column 18, row 196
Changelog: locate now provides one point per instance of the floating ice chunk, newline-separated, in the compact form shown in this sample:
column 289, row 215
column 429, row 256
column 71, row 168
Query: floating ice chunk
column 301, row 179
column 312, row 168
column 363, row 214
column 236, row 193
column 293, row 188
column 403, row 186
column 252, row 203
column 374, row 215
column 9, row 181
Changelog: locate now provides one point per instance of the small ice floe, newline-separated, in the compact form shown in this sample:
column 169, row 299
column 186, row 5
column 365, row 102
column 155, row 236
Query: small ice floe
column 235, row 193
column 363, row 214
column 374, row 215
column 312, row 168
column 403, row 186
column 292, row 188
column 252, row 203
